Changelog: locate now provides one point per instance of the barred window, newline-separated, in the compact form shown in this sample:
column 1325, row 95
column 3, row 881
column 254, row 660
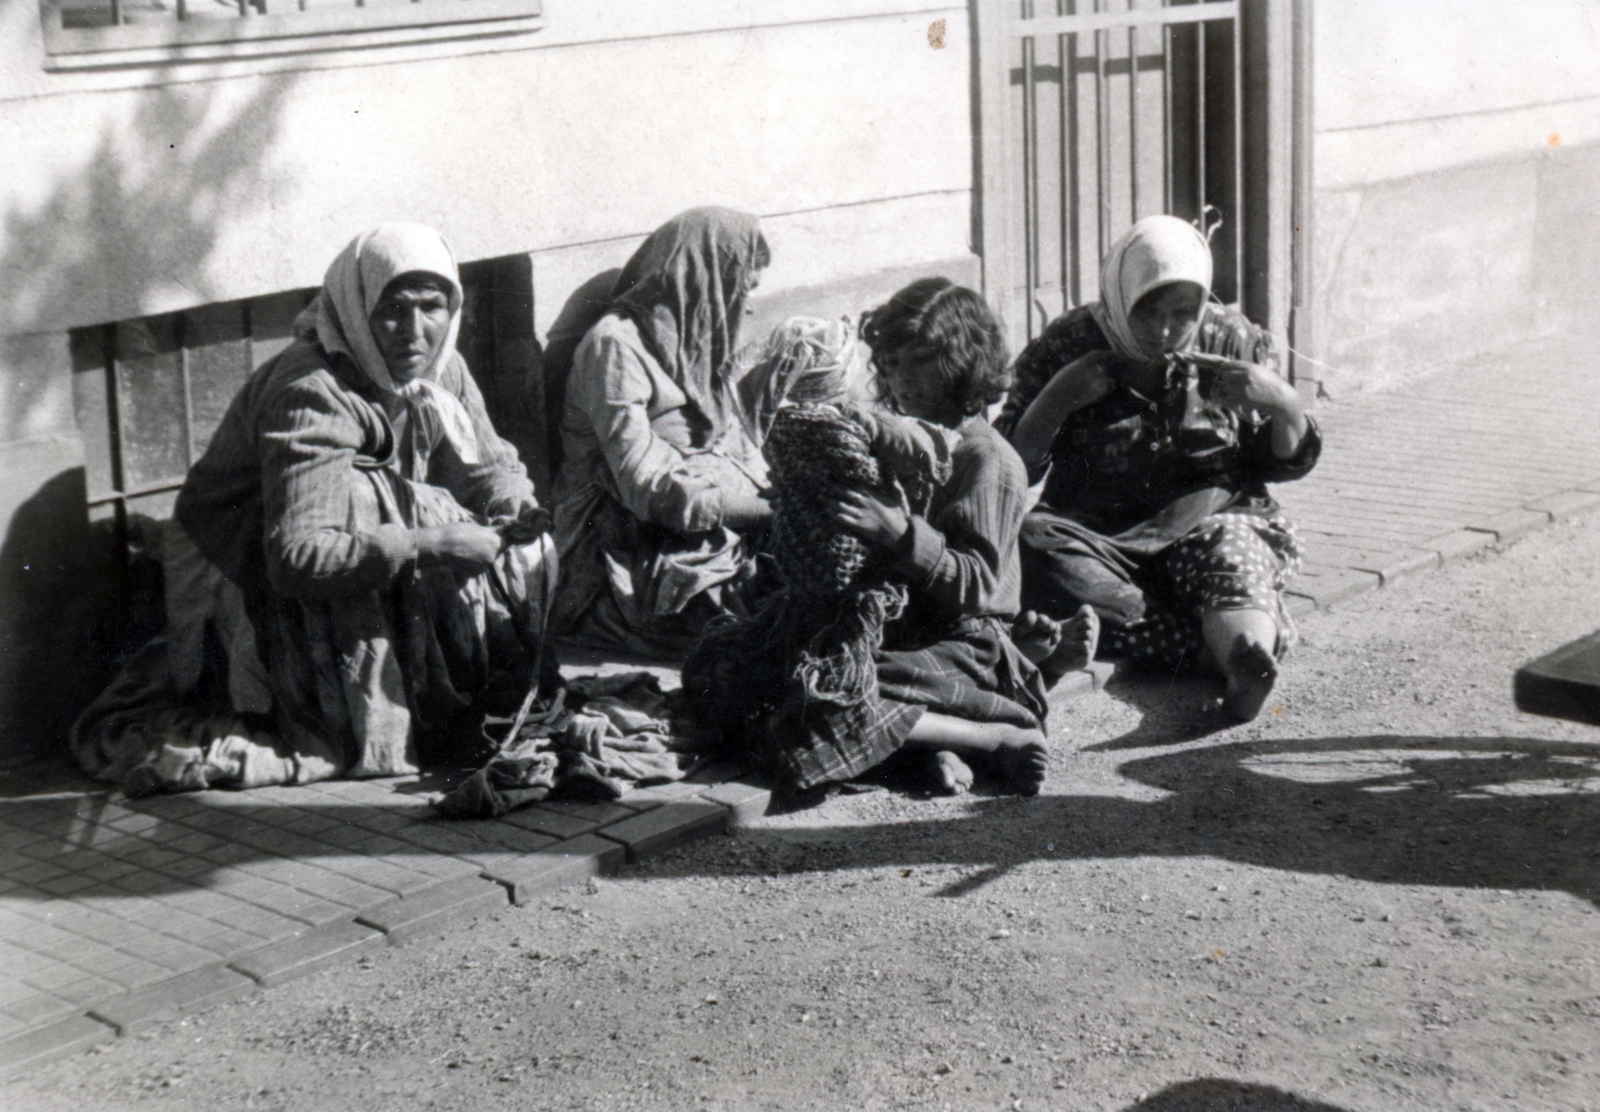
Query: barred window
column 150, row 392
column 77, row 27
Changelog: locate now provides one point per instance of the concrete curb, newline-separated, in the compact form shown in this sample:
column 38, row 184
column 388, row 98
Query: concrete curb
column 52, row 1041
column 1322, row 587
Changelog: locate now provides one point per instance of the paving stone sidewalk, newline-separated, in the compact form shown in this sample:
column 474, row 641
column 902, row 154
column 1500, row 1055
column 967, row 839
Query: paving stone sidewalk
column 1478, row 453
column 119, row 913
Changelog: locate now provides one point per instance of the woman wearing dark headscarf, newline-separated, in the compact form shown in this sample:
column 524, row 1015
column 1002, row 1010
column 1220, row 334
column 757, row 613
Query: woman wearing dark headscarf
column 662, row 478
column 1160, row 417
column 381, row 537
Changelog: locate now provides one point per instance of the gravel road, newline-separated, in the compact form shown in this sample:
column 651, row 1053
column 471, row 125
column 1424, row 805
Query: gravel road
column 1381, row 896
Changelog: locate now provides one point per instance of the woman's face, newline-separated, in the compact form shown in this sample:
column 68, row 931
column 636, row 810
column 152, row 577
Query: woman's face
column 408, row 324
column 1162, row 319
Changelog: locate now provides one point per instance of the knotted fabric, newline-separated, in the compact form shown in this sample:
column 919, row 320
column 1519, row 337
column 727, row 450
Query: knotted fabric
column 1155, row 252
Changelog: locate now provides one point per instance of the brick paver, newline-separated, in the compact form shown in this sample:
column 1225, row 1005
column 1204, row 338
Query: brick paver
column 115, row 913
column 1472, row 454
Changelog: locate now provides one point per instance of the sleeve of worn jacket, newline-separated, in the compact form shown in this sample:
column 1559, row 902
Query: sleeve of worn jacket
column 309, row 437
column 1234, row 335
column 612, row 386
column 1264, row 464
column 498, row 484
column 965, row 557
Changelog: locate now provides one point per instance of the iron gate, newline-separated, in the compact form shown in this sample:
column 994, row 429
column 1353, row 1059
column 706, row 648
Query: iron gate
column 1096, row 113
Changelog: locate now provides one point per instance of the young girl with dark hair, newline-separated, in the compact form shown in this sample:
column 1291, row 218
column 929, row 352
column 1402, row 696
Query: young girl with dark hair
column 928, row 658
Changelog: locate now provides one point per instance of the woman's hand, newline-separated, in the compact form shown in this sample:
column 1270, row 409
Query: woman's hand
column 1244, row 387
column 1078, row 385
column 465, row 545
column 871, row 518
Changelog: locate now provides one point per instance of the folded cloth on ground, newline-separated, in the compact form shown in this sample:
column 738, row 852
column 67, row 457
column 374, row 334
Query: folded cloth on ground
column 598, row 736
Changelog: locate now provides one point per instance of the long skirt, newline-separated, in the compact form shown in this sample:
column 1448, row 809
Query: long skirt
column 1150, row 603
column 305, row 690
column 972, row 671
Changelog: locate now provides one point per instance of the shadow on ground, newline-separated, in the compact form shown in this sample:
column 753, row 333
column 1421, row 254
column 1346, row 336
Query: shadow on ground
column 1211, row 1094
column 1172, row 710
column 1502, row 813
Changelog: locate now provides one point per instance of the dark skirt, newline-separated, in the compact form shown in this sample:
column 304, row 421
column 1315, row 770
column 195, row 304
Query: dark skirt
column 634, row 587
column 973, row 671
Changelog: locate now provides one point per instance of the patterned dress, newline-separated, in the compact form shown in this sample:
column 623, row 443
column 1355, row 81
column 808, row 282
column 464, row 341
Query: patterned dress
column 1155, row 506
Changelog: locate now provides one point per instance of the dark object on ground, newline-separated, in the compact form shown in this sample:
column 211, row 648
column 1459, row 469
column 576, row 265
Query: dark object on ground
column 1564, row 683
column 1211, row 1094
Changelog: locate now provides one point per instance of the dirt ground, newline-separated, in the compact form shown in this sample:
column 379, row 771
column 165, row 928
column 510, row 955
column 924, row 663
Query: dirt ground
column 1381, row 896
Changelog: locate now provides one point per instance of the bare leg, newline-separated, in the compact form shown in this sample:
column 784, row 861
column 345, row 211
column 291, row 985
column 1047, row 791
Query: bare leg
column 1019, row 752
column 1239, row 644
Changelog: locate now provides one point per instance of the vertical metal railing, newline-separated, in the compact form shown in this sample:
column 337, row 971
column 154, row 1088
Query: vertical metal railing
column 1069, row 195
column 1030, row 170
column 1133, row 118
column 1199, row 148
column 1102, row 139
column 1237, row 123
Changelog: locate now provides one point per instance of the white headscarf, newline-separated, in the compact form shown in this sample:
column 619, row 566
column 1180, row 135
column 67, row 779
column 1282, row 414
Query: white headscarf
column 1154, row 252
column 338, row 319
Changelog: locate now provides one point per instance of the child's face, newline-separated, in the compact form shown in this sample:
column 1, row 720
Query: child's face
column 916, row 392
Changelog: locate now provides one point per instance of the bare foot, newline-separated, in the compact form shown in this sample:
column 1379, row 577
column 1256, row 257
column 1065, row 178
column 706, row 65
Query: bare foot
column 951, row 774
column 1251, row 673
column 1036, row 635
column 1080, row 637
column 1022, row 767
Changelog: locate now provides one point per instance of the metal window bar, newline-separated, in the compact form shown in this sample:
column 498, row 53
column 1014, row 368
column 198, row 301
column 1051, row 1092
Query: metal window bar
column 1236, row 112
column 1066, row 27
column 1166, row 117
column 1030, row 173
column 1102, row 138
column 1133, row 118
column 1071, row 242
column 121, row 493
column 1200, row 114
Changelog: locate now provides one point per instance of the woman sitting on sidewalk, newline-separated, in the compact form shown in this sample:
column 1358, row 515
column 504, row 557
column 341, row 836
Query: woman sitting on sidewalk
column 366, row 546
column 1160, row 416
column 661, row 481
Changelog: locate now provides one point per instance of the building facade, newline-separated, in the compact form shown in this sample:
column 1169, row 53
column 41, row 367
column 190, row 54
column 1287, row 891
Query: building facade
column 176, row 186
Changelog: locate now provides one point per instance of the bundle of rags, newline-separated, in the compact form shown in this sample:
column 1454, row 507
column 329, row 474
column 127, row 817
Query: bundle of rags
column 597, row 737
column 794, row 686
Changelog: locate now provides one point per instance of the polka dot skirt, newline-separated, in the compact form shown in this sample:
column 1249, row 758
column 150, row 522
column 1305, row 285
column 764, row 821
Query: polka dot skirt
column 1230, row 561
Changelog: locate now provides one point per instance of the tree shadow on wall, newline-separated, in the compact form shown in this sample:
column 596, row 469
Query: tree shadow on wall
column 136, row 219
